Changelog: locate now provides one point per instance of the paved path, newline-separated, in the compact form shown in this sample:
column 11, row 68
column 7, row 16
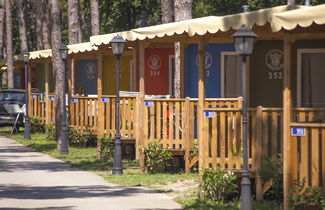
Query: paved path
column 31, row 180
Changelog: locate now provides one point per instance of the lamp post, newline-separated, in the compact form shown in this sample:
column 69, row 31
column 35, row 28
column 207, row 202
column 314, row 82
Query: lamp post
column 244, row 42
column 118, row 44
column 63, row 50
column 25, row 55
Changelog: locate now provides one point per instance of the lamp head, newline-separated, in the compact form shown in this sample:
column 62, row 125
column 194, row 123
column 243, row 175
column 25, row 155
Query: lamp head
column 63, row 50
column 244, row 39
column 25, row 55
column 118, row 44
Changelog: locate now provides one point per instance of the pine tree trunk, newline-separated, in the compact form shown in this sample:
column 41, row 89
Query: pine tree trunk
column 290, row 2
column 73, row 16
column 58, row 67
column 46, row 25
column 10, row 62
column 94, row 17
column 167, row 11
column 22, row 26
column 2, row 20
column 39, row 30
column 182, row 11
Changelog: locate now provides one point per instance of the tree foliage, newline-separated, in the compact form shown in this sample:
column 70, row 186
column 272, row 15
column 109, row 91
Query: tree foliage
column 120, row 15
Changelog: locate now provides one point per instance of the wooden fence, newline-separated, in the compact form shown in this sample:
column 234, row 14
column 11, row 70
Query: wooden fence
column 174, row 123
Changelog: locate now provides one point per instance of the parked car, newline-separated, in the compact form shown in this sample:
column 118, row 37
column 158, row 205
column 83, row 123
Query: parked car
column 11, row 106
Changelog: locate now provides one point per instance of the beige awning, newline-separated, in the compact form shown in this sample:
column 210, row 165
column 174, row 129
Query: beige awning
column 200, row 26
column 303, row 17
column 74, row 48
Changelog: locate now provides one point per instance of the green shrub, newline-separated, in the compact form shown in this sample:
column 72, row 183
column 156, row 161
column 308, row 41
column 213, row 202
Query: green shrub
column 157, row 158
column 81, row 138
column 306, row 197
column 107, row 147
column 273, row 170
column 219, row 185
column 50, row 132
column 36, row 126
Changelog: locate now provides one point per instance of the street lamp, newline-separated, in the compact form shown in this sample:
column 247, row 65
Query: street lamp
column 244, row 42
column 25, row 55
column 63, row 50
column 118, row 44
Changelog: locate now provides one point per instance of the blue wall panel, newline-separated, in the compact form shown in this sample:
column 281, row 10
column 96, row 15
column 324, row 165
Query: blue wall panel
column 213, row 69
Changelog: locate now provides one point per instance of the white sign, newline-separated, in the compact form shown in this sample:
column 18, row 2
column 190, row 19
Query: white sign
column 209, row 114
column 148, row 103
column 298, row 131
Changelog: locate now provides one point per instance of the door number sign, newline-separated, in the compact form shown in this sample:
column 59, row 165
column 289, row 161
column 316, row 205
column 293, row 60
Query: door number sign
column 298, row 131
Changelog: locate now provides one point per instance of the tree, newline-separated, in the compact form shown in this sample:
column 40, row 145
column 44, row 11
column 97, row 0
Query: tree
column 2, row 20
column 167, row 11
column 22, row 25
column 74, row 23
column 39, row 31
column 94, row 17
column 58, row 67
column 182, row 11
column 10, row 62
column 46, row 25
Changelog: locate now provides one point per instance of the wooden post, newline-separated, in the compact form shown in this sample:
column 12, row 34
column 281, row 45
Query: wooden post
column 46, row 97
column 287, row 115
column 29, row 87
column 182, row 67
column 258, row 157
column 101, row 116
column 141, row 100
column 73, row 91
column 200, row 110
column 186, row 134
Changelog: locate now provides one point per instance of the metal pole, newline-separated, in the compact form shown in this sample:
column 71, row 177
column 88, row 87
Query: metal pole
column 245, row 201
column 64, row 141
column 117, row 164
column 27, row 124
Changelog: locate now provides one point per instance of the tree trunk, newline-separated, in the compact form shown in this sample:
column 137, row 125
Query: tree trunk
column 39, row 30
column 58, row 67
column 22, row 26
column 290, row 2
column 46, row 25
column 2, row 20
column 94, row 17
column 10, row 61
column 167, row 11
column 74, row 25
column 182, row 11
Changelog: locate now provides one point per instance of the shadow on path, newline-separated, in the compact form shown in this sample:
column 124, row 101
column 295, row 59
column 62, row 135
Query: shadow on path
column 59, row 192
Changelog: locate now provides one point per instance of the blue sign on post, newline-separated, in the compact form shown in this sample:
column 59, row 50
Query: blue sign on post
column 105, row 100
column 148, row 103
column 51, row 98
column 74, row 100
column 209, row 114
column 298, row 131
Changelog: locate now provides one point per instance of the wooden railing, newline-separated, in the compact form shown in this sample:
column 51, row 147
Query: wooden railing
column 84, row 112
column 38, row 107
column 308, row 154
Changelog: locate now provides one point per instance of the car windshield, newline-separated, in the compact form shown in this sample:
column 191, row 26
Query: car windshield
column 13, row 96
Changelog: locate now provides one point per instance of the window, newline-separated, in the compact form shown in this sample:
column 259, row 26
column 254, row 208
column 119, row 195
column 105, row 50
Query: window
column 310, row 78
column 231, row 75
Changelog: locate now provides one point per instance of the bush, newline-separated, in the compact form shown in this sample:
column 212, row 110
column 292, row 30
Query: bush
column 273, row 170
column 306, row 198
column 50, row 132
column 107, row 147
column 81, row 138
column 36, row 126
column 156, row 157
column 219, row 185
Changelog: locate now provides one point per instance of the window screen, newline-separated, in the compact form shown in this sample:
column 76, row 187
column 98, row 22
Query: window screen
column 233, row 76
column 313, row 80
